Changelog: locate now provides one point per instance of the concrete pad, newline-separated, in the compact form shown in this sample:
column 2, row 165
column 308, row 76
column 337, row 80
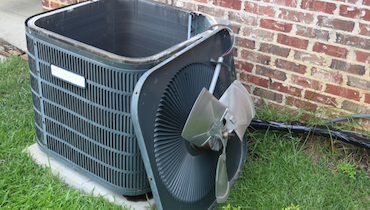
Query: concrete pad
column 21, row 8
column 78, row 181
column 2, row 58
column 13, row 14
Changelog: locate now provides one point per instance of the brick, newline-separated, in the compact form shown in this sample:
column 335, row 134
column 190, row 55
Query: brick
column 288, row 3
column 202, row 1
column 349, row 105
column 353, row 41
column 211, row 11
column 246, row 43
column 235, row 28
column 243, row 65
column 189, row 6
column 327, row 75
column 298, row 103
column 362, row 56
column 318, row 97
column 309, row 58
column 235, row 52
column 232, row 4
column 45, row 3
column 347, row 67
column 275, row 25
column 354, row 12
column 348, row 1
column 288, row 89
column 55, row 5
column 300, row 17
column 367, row 98
column 255, row 57
column 259, row 81
column 259, row 9
column 313, row 33
column 248, row 87
column 305, row 82
column 342, row 92
column 335, row 23
column 258, row 33
column 275, row 50
column 366, row 2
column 331, row 50
column 73, row 1
column 242, row 17
column 363, row 84
column 364, row 29
column 320, row 6
column 271, row 73
column 290, row 66
column 292, row 41
column 267, row 94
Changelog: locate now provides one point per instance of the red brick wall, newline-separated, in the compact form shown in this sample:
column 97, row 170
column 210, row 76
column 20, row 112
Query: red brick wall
column 293, row 52
column 53, row 4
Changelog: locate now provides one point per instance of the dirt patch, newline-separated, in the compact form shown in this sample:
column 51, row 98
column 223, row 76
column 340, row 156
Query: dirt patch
column 8, row 49
column 317, row 146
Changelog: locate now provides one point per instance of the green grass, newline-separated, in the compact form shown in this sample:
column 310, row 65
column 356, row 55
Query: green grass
column 24, row 184
column 283, row 171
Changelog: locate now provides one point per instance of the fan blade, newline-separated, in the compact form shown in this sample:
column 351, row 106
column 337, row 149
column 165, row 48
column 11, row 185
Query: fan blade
column 222, row 181
column 207, row 111
column 240, row 108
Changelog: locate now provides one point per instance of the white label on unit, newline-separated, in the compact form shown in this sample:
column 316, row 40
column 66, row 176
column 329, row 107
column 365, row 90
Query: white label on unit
column 68, row 76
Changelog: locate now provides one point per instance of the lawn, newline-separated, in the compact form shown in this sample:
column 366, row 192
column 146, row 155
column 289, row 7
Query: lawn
column 283, row 171
column 24, row 184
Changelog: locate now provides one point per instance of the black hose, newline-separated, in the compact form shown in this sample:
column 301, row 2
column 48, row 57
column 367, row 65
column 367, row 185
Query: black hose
column 298, row 127
column 355, row 116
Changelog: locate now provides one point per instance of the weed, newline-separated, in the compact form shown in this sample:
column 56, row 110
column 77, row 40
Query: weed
column 292, row 207
column 348, row 169
column 229, row 207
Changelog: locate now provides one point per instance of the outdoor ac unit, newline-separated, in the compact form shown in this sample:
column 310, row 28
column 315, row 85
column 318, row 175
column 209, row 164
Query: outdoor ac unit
column 113, row 84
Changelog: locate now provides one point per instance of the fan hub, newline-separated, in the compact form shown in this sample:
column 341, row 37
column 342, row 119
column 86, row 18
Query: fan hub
column 193, row 149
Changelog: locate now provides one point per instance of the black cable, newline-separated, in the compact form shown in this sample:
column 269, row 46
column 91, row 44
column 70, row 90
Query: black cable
column 356, row 116
column 350, row 117
column 298, row 127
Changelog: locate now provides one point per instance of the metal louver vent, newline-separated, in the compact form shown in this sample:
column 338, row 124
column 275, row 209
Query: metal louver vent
column 187, row 172
column 88, row 129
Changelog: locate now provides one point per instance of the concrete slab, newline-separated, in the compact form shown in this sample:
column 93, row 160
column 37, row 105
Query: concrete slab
column 13, row 14
column 21, row 8
column 78, row 181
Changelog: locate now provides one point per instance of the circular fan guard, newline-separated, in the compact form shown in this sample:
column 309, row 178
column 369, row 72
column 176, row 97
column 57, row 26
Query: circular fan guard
column 187, row 173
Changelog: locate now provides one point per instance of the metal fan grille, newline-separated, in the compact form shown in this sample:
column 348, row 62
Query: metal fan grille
column 187, row 173
column 89, row 129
